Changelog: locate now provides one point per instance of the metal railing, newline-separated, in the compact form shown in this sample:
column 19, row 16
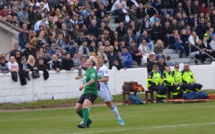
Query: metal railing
column 199, row 49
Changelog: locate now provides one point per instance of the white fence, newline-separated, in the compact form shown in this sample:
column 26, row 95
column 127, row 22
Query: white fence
column 64, row 86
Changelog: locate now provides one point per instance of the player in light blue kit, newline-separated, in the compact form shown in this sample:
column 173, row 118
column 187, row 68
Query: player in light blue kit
column 103, row 87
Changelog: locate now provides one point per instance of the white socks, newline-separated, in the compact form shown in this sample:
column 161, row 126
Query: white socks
column 115, row 111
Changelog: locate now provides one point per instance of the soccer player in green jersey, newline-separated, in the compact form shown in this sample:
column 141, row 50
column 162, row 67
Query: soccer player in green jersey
column 89, row 95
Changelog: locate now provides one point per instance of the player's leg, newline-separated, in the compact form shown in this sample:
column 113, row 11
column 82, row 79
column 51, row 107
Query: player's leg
column 115, row 111
column 107, row 97
column 78, row 106
column 88, row 101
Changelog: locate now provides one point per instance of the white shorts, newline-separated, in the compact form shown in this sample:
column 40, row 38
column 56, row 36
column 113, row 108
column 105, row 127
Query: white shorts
column 105, row 95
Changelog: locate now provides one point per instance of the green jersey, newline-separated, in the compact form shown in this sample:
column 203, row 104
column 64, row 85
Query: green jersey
column 90, row 74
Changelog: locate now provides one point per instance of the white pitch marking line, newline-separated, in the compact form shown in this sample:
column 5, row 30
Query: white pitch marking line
column 155, row 127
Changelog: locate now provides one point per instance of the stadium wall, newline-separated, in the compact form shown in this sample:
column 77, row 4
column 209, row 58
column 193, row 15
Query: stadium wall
column 64, row 86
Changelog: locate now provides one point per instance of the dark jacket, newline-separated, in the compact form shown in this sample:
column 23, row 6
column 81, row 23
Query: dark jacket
column 126, row 38
column 67, row 64
column 28, row 52
column 121, row 32
column 23, row 39
column 111, row 59
column 93, row 30
column 53, row 65
column 31, row 67
column 121, row 15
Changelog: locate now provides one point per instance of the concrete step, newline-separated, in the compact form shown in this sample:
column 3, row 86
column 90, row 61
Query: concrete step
column 181, row 60
column 114, row 25
column 174, row 56
column 169, row 51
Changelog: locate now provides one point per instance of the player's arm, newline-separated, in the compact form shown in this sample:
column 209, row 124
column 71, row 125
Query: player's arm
column 90, row 82
column 106, row 76
column 105, row 79
column 79, row 77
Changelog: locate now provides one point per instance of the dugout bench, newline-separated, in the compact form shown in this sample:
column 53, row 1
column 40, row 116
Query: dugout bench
column 149, row 96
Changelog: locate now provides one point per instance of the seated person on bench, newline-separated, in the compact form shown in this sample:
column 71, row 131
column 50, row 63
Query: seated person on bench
column 154, row 83
column 169, row 82
column 189, row 81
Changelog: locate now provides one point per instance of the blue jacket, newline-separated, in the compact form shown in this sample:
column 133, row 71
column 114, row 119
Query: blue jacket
column 127, row 59
column 23, row 39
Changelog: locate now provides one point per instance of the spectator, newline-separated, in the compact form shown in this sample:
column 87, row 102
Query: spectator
column 84, row 63
column 161, row 65
column 127, row 58
column 92, row 47
column 121, row 30
column 23, row 16
column 123, row 14
column 4, row 12
column 135, row 53
column 93, row 29
column 168, row 61
column 151, row 63
column 23, row 69
column 188, row 9
column 3, row 56
column 41, row 65
column 146, row 24
column 37, row 14
column 3, row 66
column 101, row 51
column 118, row 5
column 196, row 8
column 29, row 51
column 193, row 38
column 129, row 37
column 116, row 47
column 77, row 64
column 67, row 63
column 144, row 36
column 84, row 49
column 39, row 23
column 15, row 49
column 204, row 9
column 31, row 63
column 159, row 6
column 18, row 57
column 150, row 10
column 175, row 43
column 112, row 56
column 195, row 52
column 158, row 49
column 179, row 8
column 54, row 64
column 156, row 31
column 201, row 28
column 23, row 37
column 167, row 32
column 140, row 11
column 184, row 41
column 13, row 65
column 144, row 48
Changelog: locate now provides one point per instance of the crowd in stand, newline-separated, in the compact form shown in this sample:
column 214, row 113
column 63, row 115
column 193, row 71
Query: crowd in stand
column 62, row 34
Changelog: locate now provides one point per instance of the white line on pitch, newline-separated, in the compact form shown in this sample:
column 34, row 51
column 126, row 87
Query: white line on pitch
column 155, row 127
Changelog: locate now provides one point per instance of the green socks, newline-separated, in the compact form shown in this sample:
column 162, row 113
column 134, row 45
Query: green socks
column 80, row 113
column 85, row 112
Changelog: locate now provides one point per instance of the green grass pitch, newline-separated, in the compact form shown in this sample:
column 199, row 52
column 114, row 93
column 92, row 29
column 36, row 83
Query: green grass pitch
column 195, row 118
